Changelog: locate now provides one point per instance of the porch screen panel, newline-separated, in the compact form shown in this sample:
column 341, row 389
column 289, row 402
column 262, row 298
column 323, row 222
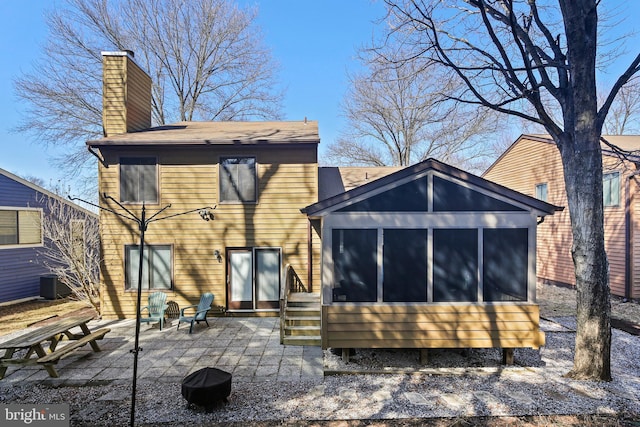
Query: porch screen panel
column 355, row 264
column 404, row 265
column 451, row 197
column 505, row 264
column 455, row 265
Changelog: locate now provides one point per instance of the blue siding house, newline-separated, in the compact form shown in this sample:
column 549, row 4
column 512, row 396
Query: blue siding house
column 23, row 210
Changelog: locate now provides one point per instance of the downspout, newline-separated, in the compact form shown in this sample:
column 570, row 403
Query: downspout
column 309, row 256
column 628, row 235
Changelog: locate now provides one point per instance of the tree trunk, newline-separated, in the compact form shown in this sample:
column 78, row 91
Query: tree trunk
column 582, row 162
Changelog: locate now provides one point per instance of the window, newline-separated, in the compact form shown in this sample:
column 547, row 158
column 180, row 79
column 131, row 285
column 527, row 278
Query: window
column 138, row 180
column 541, row 191
column 156, row 267
column 238, row 179
column 611, row 189
column 355, row 265
column 20, row 227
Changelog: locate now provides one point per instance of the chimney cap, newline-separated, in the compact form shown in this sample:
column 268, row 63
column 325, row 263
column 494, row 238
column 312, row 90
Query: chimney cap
column 128, row 53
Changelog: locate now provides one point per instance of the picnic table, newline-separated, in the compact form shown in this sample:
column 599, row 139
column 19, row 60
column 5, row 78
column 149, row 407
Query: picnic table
column 52, row 333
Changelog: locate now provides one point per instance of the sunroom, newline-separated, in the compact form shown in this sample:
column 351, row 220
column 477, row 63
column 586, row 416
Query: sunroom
column 430, row 257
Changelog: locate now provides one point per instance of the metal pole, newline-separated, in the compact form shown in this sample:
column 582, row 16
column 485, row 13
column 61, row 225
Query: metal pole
column 142, row 223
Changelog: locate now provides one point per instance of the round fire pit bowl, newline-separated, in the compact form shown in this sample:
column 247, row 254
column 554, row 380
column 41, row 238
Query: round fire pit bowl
column 207, row 386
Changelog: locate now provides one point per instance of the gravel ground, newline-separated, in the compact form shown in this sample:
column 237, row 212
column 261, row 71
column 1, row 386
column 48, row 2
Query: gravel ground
column 453, row 385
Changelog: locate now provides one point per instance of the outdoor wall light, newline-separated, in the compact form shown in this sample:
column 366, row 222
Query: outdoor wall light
column 206, row 214
column 217, row 254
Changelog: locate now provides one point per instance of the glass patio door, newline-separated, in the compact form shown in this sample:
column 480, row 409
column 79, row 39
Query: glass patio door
column 254, row 278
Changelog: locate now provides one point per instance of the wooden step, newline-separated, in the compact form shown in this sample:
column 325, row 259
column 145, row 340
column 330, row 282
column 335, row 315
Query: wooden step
column 315, row 341
column 299, row 331
column 302, row 320
column 304, row 297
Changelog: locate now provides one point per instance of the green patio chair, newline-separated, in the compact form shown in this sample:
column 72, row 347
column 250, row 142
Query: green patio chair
column 200, row 314
column 157, row 304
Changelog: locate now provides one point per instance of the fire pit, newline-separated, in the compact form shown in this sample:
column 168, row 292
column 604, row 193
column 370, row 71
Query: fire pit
column 206, row 386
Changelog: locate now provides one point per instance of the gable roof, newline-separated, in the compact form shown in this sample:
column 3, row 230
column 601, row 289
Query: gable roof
column 327, row 205
column 629, row 143
column 43, row 191
column 218, row 133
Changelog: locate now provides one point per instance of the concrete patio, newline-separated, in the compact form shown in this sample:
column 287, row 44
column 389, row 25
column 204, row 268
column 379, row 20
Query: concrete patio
column 249, row 348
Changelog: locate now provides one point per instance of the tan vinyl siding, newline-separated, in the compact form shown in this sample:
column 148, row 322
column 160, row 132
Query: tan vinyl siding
column 431, row 326
column 126, row 96
column 529, row 162
column 188, row 179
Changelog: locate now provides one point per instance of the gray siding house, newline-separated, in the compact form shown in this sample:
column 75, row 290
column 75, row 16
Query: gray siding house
column 23, row 210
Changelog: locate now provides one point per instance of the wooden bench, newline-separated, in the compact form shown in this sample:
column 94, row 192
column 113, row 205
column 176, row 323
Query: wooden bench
column 59, row 353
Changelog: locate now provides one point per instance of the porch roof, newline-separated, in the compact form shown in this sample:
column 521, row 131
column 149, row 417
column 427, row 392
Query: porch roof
column 327, row 205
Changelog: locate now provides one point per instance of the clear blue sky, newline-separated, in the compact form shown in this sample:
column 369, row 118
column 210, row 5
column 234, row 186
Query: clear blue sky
column 314, row 41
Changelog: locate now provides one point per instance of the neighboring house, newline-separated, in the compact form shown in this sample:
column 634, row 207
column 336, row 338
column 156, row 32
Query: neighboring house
column 427, row 257
column 23, row 211
column 532, row 165
column 257, row 175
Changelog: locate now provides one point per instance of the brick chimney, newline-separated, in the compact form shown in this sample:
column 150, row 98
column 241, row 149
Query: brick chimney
column 126, row 94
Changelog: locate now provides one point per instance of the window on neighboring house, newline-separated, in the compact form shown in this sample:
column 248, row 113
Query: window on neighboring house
column 238, row 179
column 138, row 180
column 156, row 267
column 611, row 189
column 541, row 191
column 20, row 227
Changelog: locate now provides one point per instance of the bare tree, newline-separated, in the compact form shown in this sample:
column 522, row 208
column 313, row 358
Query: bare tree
column 398, row 114
column 71, row 249
column 624, row 114
column 206, row 58
column 528, row 58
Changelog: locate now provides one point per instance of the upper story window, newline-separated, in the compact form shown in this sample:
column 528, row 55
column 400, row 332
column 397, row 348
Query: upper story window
column 138, row 180
column 20, row 227
column 238, row 179
column 541, row 192
column 611, row 189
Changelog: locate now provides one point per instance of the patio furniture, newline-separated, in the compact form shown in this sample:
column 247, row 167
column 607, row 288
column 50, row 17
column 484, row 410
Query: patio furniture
column 155, row 308
column 200, row 314
column 53, row 333
column 206, row 386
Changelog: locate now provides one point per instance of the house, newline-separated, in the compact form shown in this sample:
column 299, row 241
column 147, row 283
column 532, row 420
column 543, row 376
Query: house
column 24, row 208
column 425, row 256
column 252, row 178
column 429, row 257
column 532, row 165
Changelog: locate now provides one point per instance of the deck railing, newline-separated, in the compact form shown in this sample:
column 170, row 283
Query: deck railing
column 290, row 283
